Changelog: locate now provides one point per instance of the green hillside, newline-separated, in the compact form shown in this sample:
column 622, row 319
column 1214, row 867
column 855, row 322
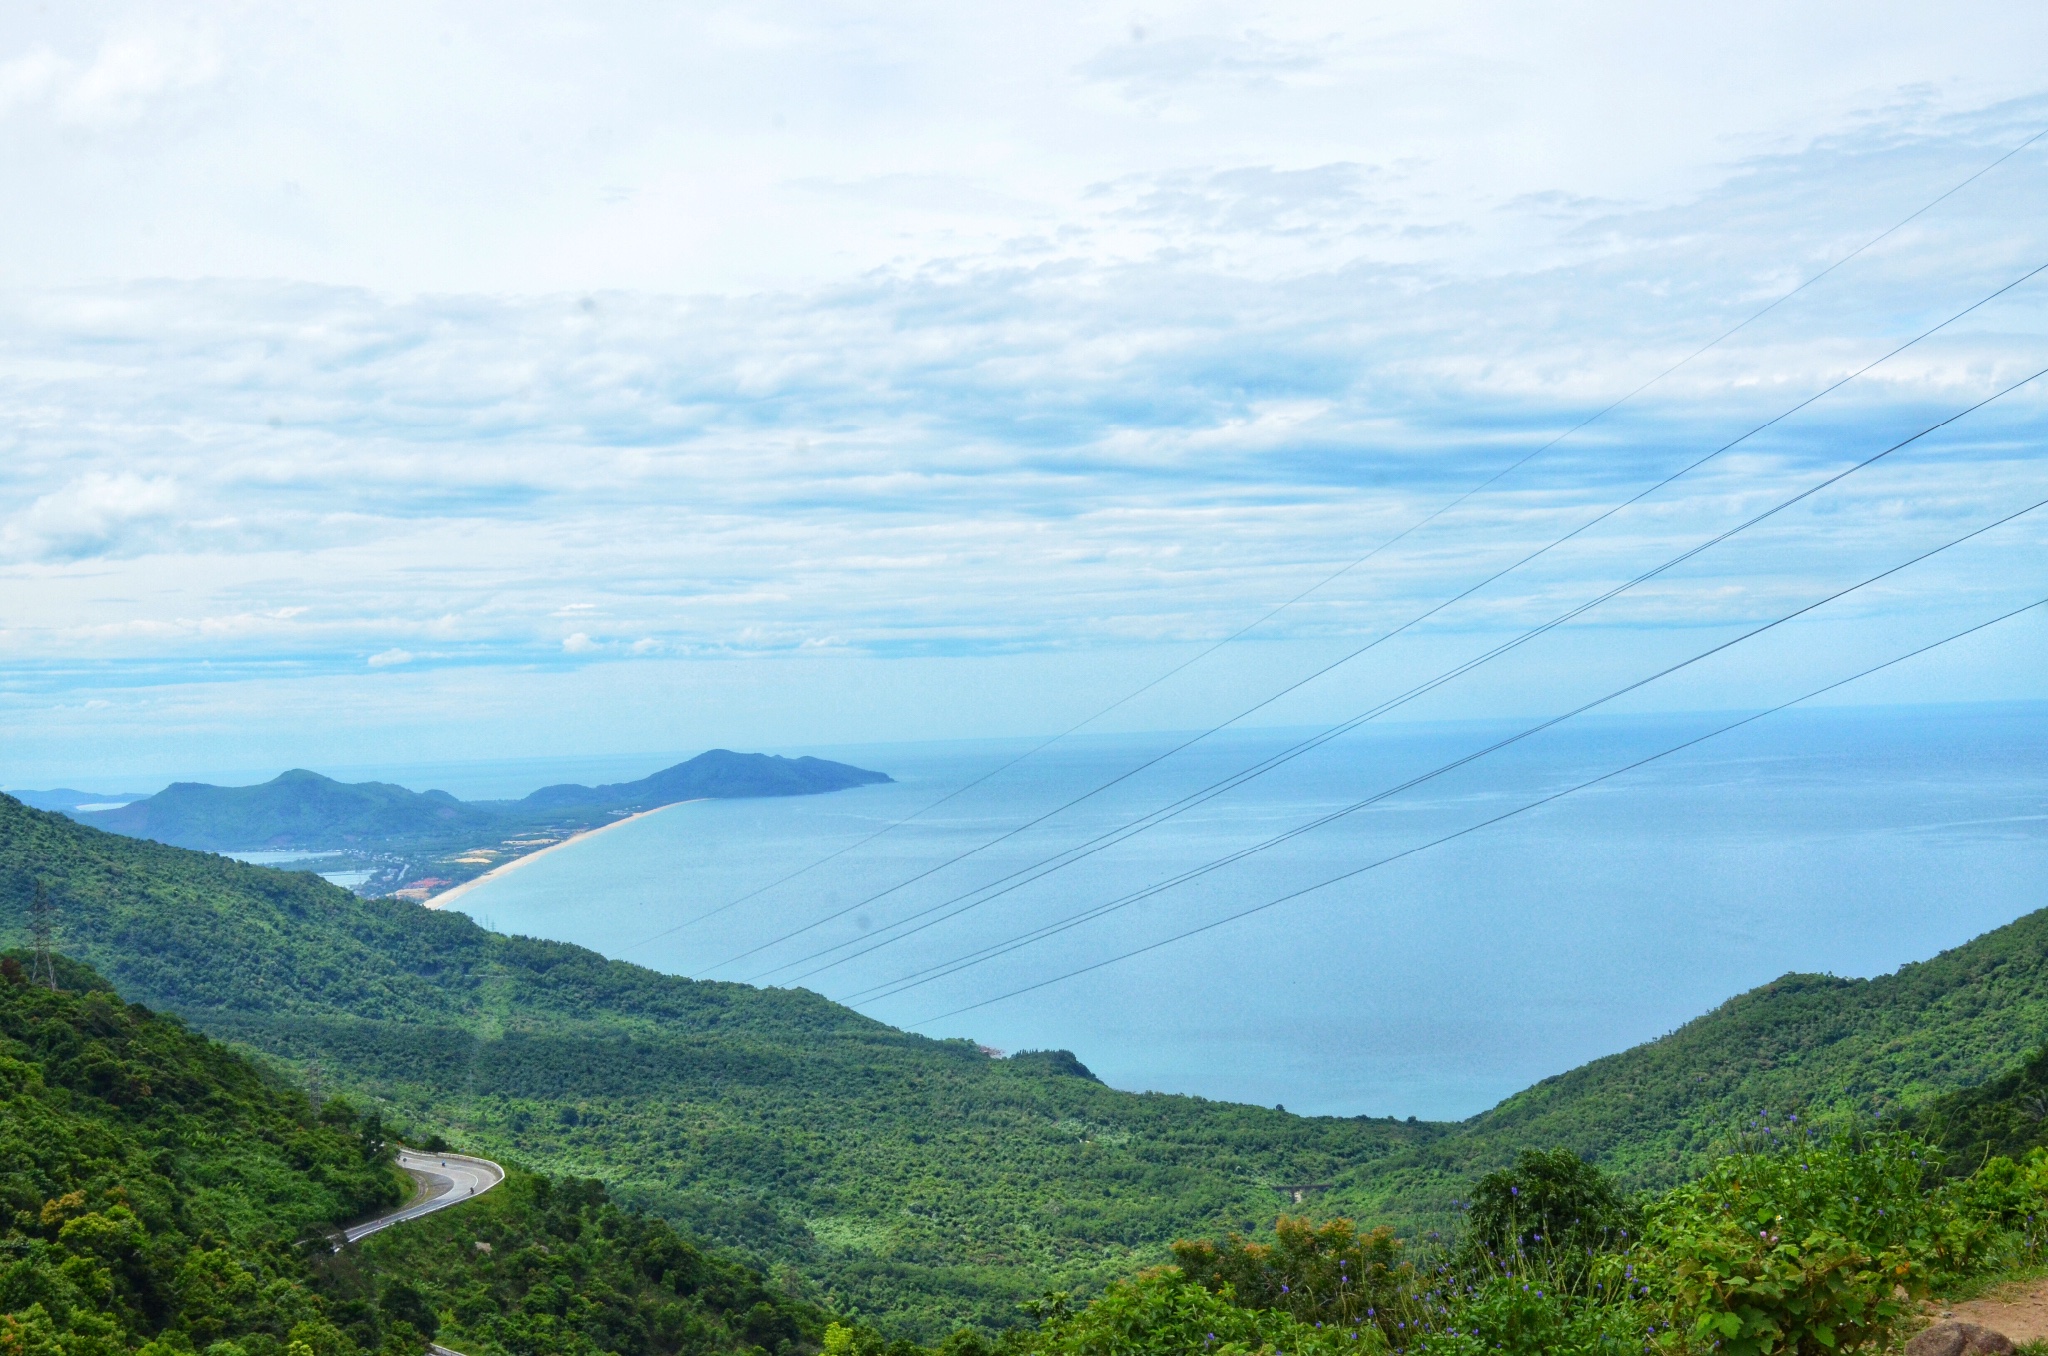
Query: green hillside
column 562, row 1271
column 1811, row 1045
column 2007, row 1116
column 913, row 1180
column 153, row 1183
column 159, row 1187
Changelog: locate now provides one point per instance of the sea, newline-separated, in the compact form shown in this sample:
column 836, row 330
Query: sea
column 1429, row 943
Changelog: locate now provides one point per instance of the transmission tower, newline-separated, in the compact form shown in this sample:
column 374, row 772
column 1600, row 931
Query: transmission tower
column 42, row 926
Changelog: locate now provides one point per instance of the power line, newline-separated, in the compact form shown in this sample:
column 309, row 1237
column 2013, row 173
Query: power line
column 1485, row 823
column 1331, row 578
column 930, row 973
column 1057, row 861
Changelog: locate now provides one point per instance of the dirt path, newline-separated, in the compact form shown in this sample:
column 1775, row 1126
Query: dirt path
column 2019, row 1310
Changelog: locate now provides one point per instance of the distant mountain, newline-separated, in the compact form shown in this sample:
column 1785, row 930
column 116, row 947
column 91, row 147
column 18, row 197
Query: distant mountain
column 301, row 809
column 64, row 800
column 297, row 809
column 720, row 774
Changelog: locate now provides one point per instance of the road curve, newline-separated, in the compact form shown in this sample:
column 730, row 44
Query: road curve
column 445, row 1180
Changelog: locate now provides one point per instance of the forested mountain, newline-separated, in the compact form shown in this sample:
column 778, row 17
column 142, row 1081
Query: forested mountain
column 917, row 1180
column 296, row 809
column 1813, row 1045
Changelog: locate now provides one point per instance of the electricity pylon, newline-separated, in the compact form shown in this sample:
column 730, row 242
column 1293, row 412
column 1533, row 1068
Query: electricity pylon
column 42, row 926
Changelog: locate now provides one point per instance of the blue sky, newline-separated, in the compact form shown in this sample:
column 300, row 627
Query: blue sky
column 450, row 381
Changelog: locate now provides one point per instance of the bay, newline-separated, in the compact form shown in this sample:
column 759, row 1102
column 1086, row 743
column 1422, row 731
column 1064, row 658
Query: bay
column 1848, row 841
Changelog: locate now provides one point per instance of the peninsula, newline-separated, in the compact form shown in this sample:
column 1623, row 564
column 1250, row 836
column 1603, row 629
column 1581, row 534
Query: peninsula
column 383, row 839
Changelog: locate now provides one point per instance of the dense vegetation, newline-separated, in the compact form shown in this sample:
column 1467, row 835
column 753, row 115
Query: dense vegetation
column 157, row 1187
column 1811, row 1045
column 1800, row 1244
column 163, row 1196
column 543, row 1268
column 153, row 1184
column 914, row 1181
column 2007, row 1116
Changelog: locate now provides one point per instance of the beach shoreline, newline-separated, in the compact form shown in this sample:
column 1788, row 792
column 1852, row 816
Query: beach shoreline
column 466, row 886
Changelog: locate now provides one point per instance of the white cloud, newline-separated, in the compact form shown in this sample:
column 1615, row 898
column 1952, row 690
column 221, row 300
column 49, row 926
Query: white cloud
column 1153, row 69
column 99, row 513
column 1070, row 371
column 29, row 78
column 121, row 80
column 617, row 146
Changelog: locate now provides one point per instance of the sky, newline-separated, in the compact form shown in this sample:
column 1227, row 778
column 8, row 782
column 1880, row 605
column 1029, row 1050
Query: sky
column 393, row 383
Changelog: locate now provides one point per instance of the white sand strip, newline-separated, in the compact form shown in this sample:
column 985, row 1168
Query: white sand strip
column 455, row 891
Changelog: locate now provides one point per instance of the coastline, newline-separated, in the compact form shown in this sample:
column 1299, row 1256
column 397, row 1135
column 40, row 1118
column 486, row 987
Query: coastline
column 456, row 890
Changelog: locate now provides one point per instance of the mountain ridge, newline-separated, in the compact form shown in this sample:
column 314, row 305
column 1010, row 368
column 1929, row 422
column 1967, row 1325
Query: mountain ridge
column 717, row 774
column 300, row 808
column 387, row 839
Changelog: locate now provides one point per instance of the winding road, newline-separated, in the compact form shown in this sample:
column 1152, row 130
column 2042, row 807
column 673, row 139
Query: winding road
column 445, row 1180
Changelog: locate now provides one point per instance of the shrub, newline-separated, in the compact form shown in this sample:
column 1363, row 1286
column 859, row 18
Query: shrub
column 1808, row 1250
column 1163, row 1312
column 1550, row 1202
column 1524, row 1316
column 1320, row 1273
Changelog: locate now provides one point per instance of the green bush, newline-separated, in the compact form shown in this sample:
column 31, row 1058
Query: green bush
column 1162, row 1312
column 1523, row 1315
column 1811, row 1249
column 540, row 1267
column 1326, row 1273
column 1797, row 1249
column 1551, row 1204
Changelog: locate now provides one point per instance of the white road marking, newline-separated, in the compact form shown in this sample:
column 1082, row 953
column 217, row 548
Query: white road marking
column 449, row 1179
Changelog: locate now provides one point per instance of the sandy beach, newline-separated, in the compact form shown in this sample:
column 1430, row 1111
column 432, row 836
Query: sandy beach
column 456, row 891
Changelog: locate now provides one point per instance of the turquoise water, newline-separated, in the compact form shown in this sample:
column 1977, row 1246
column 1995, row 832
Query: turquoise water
column 1842, row 841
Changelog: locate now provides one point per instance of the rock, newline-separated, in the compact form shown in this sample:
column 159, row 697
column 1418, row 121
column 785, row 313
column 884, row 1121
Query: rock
column 1959, row 1339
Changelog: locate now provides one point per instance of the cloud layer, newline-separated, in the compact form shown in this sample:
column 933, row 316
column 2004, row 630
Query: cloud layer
column 1044, row 403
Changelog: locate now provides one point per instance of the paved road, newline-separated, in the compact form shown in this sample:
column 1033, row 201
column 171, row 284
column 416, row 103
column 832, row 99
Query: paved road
column 445, row 1180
